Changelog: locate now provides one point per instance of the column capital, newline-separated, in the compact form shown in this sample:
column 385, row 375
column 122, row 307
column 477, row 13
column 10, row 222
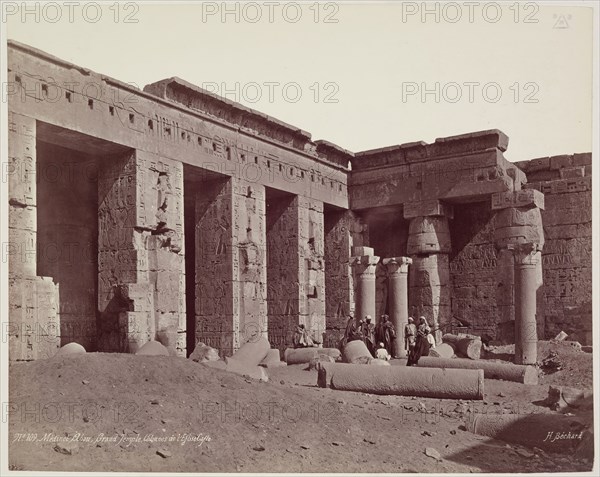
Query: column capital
column 364, row 260
column 397, row 265
column 525, row 253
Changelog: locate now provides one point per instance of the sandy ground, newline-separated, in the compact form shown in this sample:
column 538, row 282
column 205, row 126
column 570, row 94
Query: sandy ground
column 121, row 412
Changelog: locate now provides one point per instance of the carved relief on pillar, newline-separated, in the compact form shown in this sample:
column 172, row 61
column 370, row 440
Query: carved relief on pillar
column 519, row 218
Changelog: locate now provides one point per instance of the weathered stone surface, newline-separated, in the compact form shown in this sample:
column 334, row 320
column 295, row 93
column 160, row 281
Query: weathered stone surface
column 295, row 268
column 521, row 198
column 141, row 276
column 343, row 231
column 442, row 350
column 428, row 235
column 464, row 346
column 70, row 348
column 253, row 351
column 152, row 348
column 231, row 271
column 204, row 353
column 356, row 352
column 425, row 208
column 530, row 430
column 491, row 369
column 404, row 380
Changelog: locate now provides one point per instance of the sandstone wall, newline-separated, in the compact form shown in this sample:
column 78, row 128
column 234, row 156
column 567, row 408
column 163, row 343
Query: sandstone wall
column 566, row 182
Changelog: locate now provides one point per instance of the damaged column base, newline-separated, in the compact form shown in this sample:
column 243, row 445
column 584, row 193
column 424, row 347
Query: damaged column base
column 403, row 380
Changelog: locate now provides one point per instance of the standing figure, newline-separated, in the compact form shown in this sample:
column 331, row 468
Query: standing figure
column 385, row 333
column 410, row 335
column 368, row 331
column 422, row 346
column 352, row 333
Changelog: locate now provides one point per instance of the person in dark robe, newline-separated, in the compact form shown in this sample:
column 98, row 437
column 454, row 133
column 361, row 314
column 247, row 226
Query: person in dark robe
column 369, row 334
column 352, row 332
column 422, row 345
column 386, row 333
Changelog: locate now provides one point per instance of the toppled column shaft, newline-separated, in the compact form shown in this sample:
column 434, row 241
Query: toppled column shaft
column 403, row 380
column 491, row 369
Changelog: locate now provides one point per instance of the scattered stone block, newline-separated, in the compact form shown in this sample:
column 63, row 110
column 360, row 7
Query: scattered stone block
column 253, row 351
column 356, row 352
column 561, row 398
column 245, row 369
column 443, row 350
column 70, row 348
column 203, row 353
column 561, row 336
column 464, row 345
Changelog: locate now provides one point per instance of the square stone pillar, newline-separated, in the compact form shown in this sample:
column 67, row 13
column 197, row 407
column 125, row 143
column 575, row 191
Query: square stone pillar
column 429, row 245
column 141, row 273
column 231, row 272
column 343, row 230
column 33, row 321
column 295, row 272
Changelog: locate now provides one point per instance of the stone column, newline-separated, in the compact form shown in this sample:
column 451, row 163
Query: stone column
column 428, row 246
column 519, row 230
column 526, row 260
column 33, row 314
column 364, row 264
column 398, row 298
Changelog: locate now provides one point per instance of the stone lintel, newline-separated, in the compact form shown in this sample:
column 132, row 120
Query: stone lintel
column 521, row 198
column 397, row 265
column 525, row 253
column 363, row 251
column 426, row 208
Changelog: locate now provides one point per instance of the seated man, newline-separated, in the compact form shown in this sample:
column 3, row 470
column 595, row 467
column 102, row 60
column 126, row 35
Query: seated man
column 382, row 353
column 302, row 338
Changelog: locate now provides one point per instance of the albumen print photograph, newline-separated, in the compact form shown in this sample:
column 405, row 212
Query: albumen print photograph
column 315, row 237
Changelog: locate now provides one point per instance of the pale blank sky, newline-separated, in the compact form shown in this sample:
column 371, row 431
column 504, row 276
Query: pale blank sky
column 365, row 61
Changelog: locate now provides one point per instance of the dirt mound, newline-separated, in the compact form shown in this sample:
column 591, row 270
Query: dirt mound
column 119, row 412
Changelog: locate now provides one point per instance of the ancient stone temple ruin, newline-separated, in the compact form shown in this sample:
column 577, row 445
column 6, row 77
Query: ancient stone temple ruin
column 175, row 215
